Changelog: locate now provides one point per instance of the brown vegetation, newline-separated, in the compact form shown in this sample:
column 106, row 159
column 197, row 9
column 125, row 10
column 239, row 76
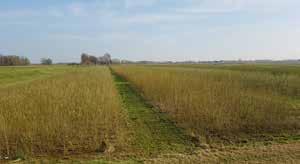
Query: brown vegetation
column 208, row 101
column 71, row 113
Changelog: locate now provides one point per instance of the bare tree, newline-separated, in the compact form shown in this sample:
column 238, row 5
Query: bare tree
column 13, row 60
column 89, row 59
column 84, row 58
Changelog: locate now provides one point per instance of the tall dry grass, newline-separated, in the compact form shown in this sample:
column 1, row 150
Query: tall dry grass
column 209, row 100
column 67, row 114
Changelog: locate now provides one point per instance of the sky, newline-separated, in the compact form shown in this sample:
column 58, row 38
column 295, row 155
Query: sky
column 157, row 30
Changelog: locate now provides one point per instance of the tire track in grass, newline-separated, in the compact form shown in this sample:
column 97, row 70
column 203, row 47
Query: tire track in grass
column 153, row 131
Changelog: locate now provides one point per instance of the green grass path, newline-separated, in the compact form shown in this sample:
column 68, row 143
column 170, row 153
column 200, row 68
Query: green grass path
column 153, row 132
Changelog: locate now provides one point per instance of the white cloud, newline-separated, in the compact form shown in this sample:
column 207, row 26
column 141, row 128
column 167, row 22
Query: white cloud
column 77, row 9
column 124, row 13
column 83, row 8
column 18, row 13
column 154, row 18
column 139, row 3
column 230, row 6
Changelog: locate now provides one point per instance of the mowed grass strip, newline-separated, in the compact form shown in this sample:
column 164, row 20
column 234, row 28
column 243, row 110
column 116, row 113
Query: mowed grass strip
column 210, row 101
column 72, row 113
column 153, row 131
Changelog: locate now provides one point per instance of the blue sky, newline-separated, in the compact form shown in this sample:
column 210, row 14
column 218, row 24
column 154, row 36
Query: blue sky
column 151, row 29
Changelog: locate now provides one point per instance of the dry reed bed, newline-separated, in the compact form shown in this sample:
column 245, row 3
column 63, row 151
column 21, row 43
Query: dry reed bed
column 218, row 101
column 66, row 114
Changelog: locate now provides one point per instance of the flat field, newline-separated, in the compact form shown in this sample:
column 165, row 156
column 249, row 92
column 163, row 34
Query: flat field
column 74, row 112
column 210, row 100
column 150, row 114
column 13, row 75
column 270, row 68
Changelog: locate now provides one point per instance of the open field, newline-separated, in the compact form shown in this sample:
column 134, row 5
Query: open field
column 71, row 113
column 149, row 81
column 269, row 68
column 150, row 114
column 220, row 101
column 13, row 75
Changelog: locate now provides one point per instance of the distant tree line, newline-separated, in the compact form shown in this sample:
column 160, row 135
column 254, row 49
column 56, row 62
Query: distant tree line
column 93, row 60
column 13, row 60
column 46, row 61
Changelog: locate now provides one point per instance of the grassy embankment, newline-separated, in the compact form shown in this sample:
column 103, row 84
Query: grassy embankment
column 71, row 113
column 220, row 102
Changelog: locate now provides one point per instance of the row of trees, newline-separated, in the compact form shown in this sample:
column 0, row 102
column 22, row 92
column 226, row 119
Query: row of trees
column 13, row 60
column 89, row 59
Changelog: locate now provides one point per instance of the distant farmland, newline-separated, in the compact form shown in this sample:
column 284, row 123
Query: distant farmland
column 204, row 99
column 150, row 113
